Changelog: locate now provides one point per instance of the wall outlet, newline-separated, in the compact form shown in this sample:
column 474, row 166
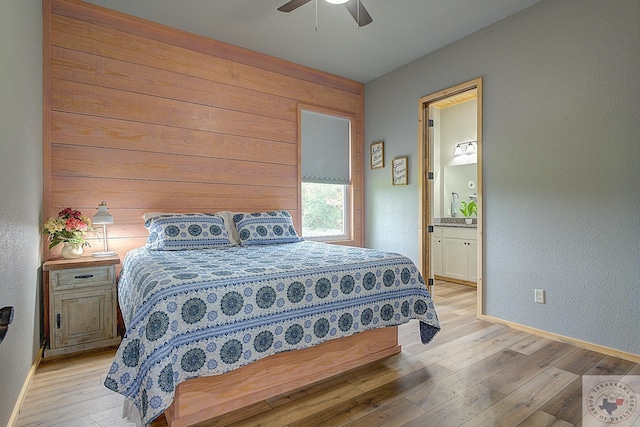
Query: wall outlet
column 539, row 296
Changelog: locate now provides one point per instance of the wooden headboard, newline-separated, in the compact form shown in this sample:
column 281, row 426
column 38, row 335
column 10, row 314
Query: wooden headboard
column 151, row 118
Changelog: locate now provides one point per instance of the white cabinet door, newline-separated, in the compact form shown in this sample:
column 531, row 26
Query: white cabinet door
column 436, row 253
column 472, row 260
column 459, row 254
column 454, row 258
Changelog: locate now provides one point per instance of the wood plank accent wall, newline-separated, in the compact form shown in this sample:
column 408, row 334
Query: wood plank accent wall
column 151, row 118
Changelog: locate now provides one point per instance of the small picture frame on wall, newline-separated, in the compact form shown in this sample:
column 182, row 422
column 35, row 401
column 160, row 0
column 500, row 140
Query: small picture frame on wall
column 399, row 170
column 377, row 155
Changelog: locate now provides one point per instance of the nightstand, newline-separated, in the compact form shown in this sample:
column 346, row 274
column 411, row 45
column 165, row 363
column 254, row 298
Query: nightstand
column 80, row 304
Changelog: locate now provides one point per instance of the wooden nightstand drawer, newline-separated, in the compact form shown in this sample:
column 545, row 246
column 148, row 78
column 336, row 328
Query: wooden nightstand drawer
column 82, row 277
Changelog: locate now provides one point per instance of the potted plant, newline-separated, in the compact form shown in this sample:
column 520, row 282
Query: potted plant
column 469, row 209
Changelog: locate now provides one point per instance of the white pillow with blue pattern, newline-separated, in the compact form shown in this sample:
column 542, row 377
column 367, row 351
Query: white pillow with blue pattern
column 265, row 228
column 177, row 232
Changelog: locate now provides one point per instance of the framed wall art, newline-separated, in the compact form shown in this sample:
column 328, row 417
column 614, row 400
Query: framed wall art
column 377, row 155
column 399, row 170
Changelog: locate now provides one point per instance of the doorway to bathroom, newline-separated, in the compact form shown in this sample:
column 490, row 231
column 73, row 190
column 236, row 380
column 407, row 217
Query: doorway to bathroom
column 450, row 186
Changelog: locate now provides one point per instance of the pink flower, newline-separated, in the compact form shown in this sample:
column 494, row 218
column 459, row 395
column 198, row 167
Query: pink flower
column 73, row 224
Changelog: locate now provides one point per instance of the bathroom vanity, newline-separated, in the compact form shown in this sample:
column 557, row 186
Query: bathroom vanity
column 454, row 253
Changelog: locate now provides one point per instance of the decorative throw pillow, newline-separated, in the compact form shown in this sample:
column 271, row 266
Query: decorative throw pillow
column 176, row 232
column 227, row 216
column 265, row 228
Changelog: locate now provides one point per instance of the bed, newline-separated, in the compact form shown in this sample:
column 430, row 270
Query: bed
column 227, row 320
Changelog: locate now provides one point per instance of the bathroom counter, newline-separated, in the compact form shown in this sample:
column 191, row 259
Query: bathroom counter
column 454, row 222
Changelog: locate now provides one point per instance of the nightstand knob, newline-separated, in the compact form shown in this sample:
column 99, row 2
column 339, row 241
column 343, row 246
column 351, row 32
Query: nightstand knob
column 84, row 276
column 58, row 320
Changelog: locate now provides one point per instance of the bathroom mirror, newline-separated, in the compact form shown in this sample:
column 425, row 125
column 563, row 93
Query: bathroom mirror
column 459, row 182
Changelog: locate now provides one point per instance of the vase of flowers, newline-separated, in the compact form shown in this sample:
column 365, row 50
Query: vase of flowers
column 68, row 228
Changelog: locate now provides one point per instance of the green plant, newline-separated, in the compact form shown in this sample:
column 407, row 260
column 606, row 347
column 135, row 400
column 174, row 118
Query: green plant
column 469, row 209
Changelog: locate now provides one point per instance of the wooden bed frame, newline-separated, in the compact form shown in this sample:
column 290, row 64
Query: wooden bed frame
column 201, row 399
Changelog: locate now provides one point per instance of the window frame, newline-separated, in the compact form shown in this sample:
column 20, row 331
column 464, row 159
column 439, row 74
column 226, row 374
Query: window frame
column 348, row 238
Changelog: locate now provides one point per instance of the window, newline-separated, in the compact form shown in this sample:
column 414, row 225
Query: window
column 326, row 185
column 324, row 210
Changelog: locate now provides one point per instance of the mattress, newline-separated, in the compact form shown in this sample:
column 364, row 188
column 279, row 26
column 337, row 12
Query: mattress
column 205, row 312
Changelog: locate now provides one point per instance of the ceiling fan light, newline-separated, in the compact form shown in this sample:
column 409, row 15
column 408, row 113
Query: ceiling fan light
column 337, row 1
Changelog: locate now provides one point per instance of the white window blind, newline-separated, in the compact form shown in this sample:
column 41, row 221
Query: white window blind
column 325, row 148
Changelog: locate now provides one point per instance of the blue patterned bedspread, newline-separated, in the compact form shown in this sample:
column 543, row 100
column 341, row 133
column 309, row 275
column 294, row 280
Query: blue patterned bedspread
column 206, row 312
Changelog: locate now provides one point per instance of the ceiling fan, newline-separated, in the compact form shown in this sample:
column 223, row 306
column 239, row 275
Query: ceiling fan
column 355, row 7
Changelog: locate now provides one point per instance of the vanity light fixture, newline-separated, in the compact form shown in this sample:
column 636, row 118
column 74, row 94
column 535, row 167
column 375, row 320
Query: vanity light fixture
column 465, row 148
column 337, row 1
column 103, row 218
column 471, row 148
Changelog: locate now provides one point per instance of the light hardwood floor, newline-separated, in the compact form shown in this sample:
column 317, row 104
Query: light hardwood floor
column 474, row 373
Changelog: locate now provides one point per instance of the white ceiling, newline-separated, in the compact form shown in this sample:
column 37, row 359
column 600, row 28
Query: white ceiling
column 401, row 31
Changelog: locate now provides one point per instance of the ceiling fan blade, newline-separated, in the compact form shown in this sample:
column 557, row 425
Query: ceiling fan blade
column 292, row 5
column 364, row 16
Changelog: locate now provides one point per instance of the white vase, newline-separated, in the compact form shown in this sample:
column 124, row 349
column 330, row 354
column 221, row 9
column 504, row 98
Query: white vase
column 468, row 220
column 71, row 250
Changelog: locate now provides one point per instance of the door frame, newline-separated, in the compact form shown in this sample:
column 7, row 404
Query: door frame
column 425, row 184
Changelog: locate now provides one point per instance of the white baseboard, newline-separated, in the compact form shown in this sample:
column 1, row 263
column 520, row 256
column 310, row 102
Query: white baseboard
column 556, row 337
column 13, row 420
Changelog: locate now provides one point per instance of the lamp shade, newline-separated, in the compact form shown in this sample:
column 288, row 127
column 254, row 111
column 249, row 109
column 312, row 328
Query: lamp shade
column 337, row 1
column 102, row 217
column 471, row 149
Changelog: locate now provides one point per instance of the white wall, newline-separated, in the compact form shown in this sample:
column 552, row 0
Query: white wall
column 457, row 124
column 20, row 190
column 561, row 164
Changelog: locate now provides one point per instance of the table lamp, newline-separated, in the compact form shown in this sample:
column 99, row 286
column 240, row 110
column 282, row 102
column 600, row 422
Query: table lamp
column 103, row 217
